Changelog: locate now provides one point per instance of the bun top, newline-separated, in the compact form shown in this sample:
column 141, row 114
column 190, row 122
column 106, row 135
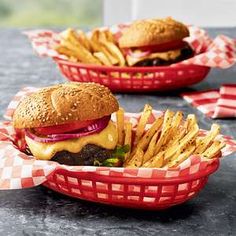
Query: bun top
column 64, row 103
column 152, row 32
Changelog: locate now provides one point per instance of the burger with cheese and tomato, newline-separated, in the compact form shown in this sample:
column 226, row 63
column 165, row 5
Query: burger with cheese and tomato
column 155, row 42
column 71, row 124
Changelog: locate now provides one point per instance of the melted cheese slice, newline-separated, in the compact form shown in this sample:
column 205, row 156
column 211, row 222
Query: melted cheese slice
column 107, row 138
column 166, row 56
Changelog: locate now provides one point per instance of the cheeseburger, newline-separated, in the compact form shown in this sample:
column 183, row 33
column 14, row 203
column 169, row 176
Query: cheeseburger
column 155, row 42
column 70, row 123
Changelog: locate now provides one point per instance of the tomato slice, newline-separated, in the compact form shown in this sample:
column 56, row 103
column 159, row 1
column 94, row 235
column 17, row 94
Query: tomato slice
column 64, row 128
column 164, row 47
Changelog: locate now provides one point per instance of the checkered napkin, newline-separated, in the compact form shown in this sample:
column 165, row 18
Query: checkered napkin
column 220, row 52
column 217, row 103
column 18, row 170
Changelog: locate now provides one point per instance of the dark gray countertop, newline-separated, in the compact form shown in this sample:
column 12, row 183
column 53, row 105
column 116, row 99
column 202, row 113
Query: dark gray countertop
column 39, row 211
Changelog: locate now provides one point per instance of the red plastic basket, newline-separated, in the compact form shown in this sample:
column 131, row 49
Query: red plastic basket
column 134, row 79
column 131, row 192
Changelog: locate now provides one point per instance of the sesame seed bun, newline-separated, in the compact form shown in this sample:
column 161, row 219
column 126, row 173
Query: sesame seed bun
column 64, row 103
column 152, row 32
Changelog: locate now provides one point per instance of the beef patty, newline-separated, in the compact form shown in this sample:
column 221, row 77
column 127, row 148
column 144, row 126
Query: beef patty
column 186, row 52
column 86, row 157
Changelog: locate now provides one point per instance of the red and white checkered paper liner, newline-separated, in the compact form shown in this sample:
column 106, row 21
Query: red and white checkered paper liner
column 220, row 52
column 18, row 170
column 217, row 103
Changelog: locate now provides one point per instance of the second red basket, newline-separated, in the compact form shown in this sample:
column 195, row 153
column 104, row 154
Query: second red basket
column 134, row 79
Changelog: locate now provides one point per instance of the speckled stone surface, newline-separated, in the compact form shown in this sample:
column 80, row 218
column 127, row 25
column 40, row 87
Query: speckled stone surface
column 39, row 211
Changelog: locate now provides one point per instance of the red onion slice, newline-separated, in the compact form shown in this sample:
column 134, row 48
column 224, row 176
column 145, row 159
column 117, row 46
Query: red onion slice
column 138, row 54
column 91, row 129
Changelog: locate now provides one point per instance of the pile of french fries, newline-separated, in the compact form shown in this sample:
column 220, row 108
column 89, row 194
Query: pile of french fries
column 99, row 48
column 168, row 142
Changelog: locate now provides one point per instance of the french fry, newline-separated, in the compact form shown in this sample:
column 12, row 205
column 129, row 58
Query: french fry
column 99, row 36
column 95, row 35
column 115, row 52
column 177, row 119
column 102, row 58
column 96, row 47
column 136, row 160
column 173, row 153
column 181, row 131
column 151, row 148
column 83, row 39
column 181, row 144
column 204, row 142
column 175, row 131
column 120, row 125
column 99, row 47
column 71, row 36
column 106, row 39
column 65, row 51
column 128, row 138
column 213, row 150
column 165, row 130
column 109, row 36
column 78, row 38
column 177, row 160
column 174, row 139
column 146, row 138
column 142, row 123
column 81, row 53
column 189, row 137
column 190, row 121
column 156, row 161
column 73, row 59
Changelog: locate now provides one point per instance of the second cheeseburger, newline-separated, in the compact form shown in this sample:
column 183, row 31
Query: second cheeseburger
column 155, row 42
column 70, row 123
